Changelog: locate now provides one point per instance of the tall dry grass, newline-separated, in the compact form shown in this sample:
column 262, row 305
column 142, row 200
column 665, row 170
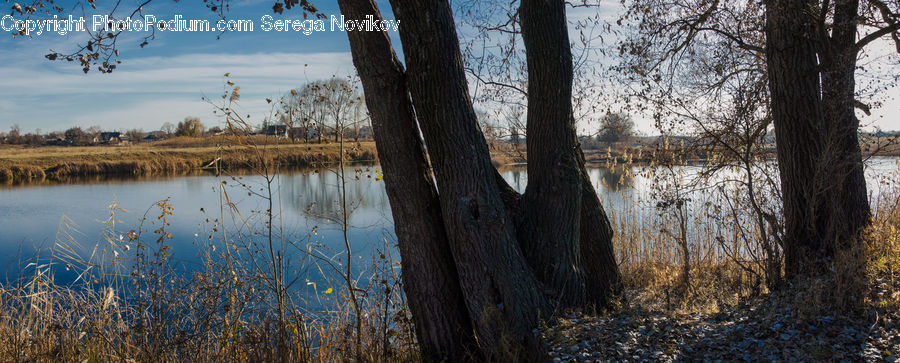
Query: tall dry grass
column 686, row 258
column 131, row 302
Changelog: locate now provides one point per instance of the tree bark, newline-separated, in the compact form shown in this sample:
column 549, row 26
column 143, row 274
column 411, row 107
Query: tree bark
column 549, row 233
column 797, row 114
column 602, row 279
column 503, row 297
column 429, row 274
column 846, row 186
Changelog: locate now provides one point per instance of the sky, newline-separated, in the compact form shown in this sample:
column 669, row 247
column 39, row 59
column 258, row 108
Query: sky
column 166, row 80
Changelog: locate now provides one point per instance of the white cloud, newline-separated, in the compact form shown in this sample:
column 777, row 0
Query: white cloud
column 149, row 91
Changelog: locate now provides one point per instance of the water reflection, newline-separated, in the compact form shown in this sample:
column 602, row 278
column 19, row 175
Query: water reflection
column 307, row 204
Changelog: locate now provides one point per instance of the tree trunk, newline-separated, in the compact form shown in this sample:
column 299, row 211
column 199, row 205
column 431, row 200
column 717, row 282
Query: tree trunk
column 797, row 115
column 823, row 184
column 429, row 274
column 602, row 279
column 503, row 297
column 489, row 293
column 554, row 182
column 846, row 186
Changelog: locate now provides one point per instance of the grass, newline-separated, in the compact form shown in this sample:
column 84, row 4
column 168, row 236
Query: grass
column 177, row 155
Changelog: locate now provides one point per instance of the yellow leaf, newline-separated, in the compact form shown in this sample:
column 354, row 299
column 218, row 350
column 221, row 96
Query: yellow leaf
column 379, row 177
column 329, row 291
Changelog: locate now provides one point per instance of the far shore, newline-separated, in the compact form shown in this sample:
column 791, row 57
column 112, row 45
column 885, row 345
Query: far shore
column 59, row 163
column 183, row 155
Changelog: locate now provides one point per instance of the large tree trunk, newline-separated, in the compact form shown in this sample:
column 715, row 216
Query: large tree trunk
column 429, row 274
column 823, row 184
column 489, row 290
column 503, row 297
column 846, row 184
column 797, row 114
column 549, row 232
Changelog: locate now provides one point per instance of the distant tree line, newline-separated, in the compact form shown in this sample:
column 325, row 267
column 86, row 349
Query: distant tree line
column 321, row 109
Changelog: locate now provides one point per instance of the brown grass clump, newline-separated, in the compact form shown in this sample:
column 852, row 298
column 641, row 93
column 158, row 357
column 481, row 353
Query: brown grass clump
column 21, row 174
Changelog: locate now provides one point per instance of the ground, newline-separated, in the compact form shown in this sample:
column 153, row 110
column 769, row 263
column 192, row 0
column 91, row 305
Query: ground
column 768, row 328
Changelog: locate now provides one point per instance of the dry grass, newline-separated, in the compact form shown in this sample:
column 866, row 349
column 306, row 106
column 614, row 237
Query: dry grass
column 883, row 247
column 21, row 174
column 178, row 155
column 652, row 265
column 130, row 303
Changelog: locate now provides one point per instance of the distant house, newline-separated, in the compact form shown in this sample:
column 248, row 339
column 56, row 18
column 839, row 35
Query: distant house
column 154, row 136
column 365, row 132
column 215, row 131
column 57, row 142
column 276, row 130
column 312, row 133
column 110, row 137
column 881, row 133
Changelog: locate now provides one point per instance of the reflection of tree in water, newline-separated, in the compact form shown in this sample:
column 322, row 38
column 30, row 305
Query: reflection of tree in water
column 317, row 194
column 517, row 177
column 614, row 177
column 607, row 179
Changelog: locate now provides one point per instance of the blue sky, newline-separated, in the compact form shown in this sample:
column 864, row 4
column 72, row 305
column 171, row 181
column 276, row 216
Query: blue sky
column 164, row 81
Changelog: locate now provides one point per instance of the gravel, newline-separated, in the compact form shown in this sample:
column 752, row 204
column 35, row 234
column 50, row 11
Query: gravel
column 767, row 329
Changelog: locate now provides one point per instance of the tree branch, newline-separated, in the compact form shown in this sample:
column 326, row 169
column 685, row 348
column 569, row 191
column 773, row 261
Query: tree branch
column 890, row 29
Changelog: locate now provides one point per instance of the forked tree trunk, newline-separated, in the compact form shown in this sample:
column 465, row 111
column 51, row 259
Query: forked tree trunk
column 429, row 274
column 502, row 299
column 823, row 185
column 797, row 114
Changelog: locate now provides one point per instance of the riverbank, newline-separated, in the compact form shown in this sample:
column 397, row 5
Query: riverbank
column 25, row 165
column 181, row 155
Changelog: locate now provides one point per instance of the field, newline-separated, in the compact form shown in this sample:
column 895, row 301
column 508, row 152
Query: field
column 27, row 164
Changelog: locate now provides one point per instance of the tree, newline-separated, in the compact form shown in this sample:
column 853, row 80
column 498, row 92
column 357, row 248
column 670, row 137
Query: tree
column 812, row 49
column 805, row 52
column 310, row 106
column 191, row 126
column 489, row 127
column 135, row 134
column 168, row 128
column 15, row 135
column 77, row 136
column 489, row 288
column 615, row 127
